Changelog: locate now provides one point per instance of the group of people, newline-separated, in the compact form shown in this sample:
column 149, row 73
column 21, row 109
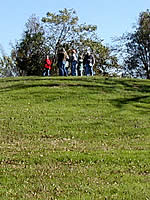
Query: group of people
column 79, row 65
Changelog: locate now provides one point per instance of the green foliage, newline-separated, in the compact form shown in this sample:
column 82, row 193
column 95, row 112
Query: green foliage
column 137, row 47
column 105, row 60
column 74, row 138
column 30, row 52
column 7, row 67
column 63, row 28
column 57, row 30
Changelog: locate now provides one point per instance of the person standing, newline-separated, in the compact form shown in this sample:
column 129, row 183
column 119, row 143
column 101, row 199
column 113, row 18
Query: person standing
column 89, row 62
column 80, row 65
column 73, row 61
column 47, row 66
column 62, row 57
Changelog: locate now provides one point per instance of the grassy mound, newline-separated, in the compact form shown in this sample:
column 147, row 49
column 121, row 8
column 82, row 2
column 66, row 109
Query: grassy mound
column 74, row 138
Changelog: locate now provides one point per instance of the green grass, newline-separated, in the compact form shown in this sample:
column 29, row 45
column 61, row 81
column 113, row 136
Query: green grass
column 72, row 138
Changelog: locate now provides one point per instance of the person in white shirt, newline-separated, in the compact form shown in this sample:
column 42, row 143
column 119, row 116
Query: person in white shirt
column 73, row 62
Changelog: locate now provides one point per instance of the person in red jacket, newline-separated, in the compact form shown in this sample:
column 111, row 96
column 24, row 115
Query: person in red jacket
column 47, row 66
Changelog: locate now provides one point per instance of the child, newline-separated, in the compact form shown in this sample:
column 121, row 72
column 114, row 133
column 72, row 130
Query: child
column 47, row 66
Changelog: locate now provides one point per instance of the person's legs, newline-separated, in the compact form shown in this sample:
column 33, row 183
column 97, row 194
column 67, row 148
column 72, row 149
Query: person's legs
column 65, row 71
column 87, row 71
column 61, row 68
column 81, row 72
column 73, row 68
column 45, row 72
column 65, row 64
column 91, row 70
column 48, row 72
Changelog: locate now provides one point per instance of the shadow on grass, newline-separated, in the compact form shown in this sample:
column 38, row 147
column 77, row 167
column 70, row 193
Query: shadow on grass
column 96, row 82
column 55, row 82
column 100, row 82
column 95, row 85
column 119, row 103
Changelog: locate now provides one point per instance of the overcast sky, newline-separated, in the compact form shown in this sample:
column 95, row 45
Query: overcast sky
column 112, row 17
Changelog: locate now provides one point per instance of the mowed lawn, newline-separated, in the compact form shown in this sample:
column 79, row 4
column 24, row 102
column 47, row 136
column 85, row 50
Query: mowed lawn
column 71, row 138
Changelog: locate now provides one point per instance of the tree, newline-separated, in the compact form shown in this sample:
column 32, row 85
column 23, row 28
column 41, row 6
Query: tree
column 136, row 48
column 106, row 62
column 7, row 66
column 30, row 52
column 62, row 29
column 55, row 31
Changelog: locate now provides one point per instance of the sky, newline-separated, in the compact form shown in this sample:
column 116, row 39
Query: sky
column 112, row 17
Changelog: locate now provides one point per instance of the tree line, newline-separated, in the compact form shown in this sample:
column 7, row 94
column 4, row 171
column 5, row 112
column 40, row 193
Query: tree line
column 130, row 53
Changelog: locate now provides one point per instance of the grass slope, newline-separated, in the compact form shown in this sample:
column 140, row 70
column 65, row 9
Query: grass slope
column 74, row 138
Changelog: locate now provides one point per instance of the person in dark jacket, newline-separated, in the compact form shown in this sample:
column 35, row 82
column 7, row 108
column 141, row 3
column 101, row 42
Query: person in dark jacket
column 62, row 58
column 89, row 62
